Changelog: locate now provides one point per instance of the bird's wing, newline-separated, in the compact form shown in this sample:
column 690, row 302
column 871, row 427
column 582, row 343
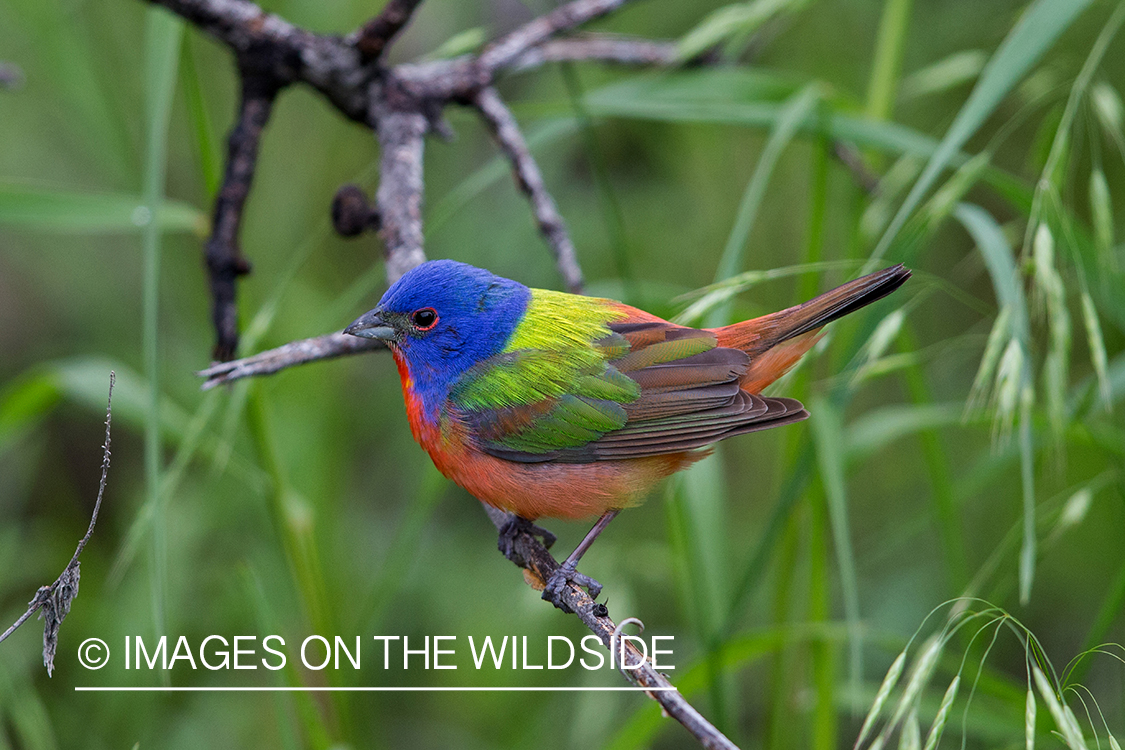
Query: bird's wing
column 644, row 388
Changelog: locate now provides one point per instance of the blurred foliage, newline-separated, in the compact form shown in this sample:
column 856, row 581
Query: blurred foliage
column 966, row 438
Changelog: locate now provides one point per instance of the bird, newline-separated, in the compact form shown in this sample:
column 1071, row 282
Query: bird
column 548, row 404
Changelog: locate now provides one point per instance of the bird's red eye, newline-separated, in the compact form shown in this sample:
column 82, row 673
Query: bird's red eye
column 424, row 319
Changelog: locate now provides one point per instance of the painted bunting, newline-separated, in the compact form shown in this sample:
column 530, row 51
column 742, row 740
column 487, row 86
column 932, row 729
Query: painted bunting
column 544, row 403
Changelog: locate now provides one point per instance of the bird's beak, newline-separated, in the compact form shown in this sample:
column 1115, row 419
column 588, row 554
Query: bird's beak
column 371, row 326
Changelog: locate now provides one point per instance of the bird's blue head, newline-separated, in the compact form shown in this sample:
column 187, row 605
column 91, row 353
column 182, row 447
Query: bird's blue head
column 443, row 317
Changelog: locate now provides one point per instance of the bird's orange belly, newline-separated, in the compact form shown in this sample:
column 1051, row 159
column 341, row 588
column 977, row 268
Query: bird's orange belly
column 553, row 490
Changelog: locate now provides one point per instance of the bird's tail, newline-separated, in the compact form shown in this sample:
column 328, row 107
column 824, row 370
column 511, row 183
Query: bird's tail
column 776, row 341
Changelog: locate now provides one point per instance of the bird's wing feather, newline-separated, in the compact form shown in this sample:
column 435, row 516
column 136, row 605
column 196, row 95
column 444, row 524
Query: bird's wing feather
column 643, row 388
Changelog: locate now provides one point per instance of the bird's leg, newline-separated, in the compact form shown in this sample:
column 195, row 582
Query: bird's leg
column 512, row 528
column 568, row 570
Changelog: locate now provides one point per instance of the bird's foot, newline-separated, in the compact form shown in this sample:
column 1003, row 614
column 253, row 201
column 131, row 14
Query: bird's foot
column 513, row 528
column 564, row 574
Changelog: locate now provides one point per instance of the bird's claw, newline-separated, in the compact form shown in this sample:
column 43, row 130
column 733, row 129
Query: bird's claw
column 564, row 574
column 513, row 528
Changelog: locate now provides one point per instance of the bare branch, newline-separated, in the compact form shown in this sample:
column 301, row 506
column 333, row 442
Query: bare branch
column 609, row 48
column 399, row 197
column 270, row 44
column 327, row 346
column 54, row 601
column 505, row 50
column 375, row 35
column 224, row 258
column 401, row 104
column 510, row 140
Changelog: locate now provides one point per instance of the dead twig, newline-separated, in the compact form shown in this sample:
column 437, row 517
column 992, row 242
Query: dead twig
column 53, row 602
column 508, row 137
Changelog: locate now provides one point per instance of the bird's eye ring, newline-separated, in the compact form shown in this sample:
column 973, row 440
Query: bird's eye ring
column 424, row 319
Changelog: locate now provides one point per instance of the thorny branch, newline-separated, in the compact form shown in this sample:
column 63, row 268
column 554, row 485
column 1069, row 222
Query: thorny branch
column 55, row 600
column 402, row 105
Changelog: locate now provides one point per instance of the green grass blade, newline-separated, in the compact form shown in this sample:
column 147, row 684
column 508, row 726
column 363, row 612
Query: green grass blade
column 1051, row 178
column 948, row 73
column 1027, row 481
column 1101, row 212
column 495, row 170
column 48, row 209
column 828, row 437
column 751, row 577
column 885, row 69
column 753, row 99
column 696, row 513
column 65, row 58
column 1038, row 28
column 210, row 154
column 24, row 711
column 23, row 403
column 797, row 109
column 736, row 654
column 163, row 33
column 612, row 215
column 731, row 22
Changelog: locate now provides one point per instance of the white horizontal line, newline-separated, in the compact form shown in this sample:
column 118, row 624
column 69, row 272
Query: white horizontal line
column 364, row 689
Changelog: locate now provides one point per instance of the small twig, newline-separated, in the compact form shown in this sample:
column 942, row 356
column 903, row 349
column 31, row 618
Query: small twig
column 507, row 49
column 375, row 35
column 399, row 197
column 224, row 258
column 294, row 353
column 55, row 600
column 508, row 137
column 607, row 48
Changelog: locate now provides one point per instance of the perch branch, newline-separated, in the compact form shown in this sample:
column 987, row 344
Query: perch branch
column 541, row 564
column 55, row 600
column 294, row 353
column 505, row 130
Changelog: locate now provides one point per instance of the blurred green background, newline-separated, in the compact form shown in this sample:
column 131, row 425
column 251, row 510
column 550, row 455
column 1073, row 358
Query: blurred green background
column 966, row 436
